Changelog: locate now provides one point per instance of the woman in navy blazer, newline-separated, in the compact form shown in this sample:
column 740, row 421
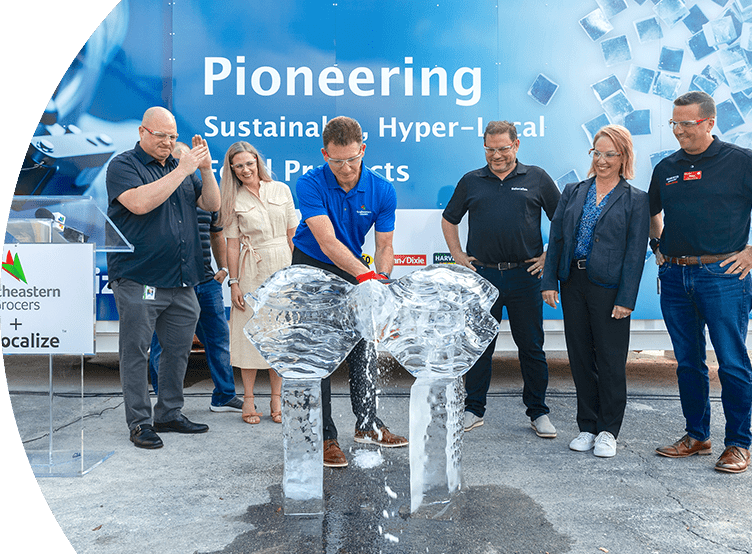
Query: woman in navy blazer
column 596, row 249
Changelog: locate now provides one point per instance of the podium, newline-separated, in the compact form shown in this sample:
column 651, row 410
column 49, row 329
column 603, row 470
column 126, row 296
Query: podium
column 47, row 308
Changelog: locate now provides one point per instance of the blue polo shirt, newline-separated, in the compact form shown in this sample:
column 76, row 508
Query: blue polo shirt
column 706, row 200
column 167, row 251
column 371, row 203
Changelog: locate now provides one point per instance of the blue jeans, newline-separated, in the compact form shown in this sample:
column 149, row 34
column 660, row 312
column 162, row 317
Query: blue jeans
column 214, row 333
column 520, row 292
column 693, row 297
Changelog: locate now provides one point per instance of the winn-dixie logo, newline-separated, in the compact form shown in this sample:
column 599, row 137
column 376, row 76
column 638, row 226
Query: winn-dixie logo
column 409, row 259
column 12, row 266
column 442, row 258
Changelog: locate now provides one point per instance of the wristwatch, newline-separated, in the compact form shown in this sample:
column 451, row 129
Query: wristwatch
column 231, row 281
column 654, row 244
column 224, row 269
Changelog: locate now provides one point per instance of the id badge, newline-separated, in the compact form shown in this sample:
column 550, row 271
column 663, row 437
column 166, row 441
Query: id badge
column 149, row 292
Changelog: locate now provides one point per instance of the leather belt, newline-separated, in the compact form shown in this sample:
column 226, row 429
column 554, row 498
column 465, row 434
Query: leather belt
column 501, row 266
column 579, row 264
column 697, row 260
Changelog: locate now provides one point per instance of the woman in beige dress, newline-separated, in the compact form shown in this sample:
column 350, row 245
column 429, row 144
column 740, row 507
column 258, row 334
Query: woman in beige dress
column 259, row 220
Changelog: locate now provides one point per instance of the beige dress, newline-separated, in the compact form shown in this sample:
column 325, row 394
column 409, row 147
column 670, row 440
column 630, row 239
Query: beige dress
column 261, row 225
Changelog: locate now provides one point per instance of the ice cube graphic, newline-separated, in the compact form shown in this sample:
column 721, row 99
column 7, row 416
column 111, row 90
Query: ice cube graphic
column 638, row 122
column 612, row 7
column 699, row 47
column 671, row 11
column 595, row 24
column 648, row 29
column 720, row 31
column 743, row 101
column 702, row 83
column 542, row 89
column 671, row 59
column 606, row 87
column 640, row 78
column 594, row 125
column 666, row 86
column 616, row 50
column 656, row 157
column 617, row 106
column 695, row 20
column 728, row 116
column 569, row 177
column 745, row 40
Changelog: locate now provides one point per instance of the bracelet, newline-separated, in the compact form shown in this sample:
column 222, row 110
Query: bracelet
column 224, row 269
column 231, row 281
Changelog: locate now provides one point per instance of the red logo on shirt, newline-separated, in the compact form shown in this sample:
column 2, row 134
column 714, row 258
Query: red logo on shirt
column 693, row 175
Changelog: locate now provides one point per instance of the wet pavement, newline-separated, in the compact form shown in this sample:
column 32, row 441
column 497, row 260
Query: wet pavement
column 221, row 491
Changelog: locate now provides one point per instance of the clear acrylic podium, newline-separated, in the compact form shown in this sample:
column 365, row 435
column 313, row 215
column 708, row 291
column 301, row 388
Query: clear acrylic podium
column 48, row 266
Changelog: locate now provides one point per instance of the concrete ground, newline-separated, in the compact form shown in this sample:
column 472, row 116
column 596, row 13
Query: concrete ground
column 221, row 491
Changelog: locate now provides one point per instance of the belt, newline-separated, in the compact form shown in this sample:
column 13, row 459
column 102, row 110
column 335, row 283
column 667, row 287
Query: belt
column 501, row 266
column 579, row 264
column 697, row 260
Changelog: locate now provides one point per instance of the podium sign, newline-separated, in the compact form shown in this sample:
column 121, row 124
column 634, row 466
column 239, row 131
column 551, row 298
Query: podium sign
column 47, row 301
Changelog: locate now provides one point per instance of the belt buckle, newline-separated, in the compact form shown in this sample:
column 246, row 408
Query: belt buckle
column 581, row 264
column 502, row 266
column 683, row 261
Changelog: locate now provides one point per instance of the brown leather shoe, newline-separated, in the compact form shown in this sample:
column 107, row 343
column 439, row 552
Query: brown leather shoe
column 333, row 455
column 686, row 446
column 733, row 460
column 382, row 437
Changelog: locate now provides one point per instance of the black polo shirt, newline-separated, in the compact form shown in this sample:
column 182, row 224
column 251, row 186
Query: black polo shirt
column 706, row 200
column 167, row 251
column 504, row 222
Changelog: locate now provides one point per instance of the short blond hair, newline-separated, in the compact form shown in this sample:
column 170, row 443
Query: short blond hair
column 622, row 139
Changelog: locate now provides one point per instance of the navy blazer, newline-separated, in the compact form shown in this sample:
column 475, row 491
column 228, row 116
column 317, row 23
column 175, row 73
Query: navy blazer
column 620, row 237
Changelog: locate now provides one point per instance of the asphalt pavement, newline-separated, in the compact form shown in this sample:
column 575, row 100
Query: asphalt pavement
column 220, row 492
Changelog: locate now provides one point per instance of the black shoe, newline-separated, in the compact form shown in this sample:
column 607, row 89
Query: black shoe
column 144, row 436
column 180, row 425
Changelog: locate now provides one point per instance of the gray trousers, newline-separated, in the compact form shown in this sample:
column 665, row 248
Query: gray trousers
column 172, row 313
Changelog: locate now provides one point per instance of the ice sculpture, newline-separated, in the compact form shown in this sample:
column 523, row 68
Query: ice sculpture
column 301, row 327
column 435, row 321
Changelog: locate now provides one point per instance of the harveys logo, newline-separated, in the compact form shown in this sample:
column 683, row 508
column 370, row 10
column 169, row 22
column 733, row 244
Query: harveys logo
column 409, row 259
column 442, row 258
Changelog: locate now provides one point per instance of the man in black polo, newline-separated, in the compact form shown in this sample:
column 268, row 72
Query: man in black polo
column 152, row 200
column 504, row 201
column 700, row 203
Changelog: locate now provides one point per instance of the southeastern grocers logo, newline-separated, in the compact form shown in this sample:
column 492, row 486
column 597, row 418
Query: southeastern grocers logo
column 442, row 258
column 12, row 266
column 409, row 259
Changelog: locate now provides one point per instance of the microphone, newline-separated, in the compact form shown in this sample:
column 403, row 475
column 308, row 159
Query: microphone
column 69, row 233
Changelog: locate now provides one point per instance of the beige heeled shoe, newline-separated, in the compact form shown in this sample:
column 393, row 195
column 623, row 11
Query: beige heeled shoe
column 250, row 415
column 276, row 416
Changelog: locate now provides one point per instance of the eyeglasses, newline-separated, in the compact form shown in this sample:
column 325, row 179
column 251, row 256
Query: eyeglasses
column 352, row 162
column 161, row 136
column 502, row 150
column 608, row 155
column 686, row 124
column 239, row 167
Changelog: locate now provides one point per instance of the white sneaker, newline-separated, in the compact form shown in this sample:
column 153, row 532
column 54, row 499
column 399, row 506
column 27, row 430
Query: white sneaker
column 543, row 427
column 582, row 442
column 605, row 445
column 472, row 421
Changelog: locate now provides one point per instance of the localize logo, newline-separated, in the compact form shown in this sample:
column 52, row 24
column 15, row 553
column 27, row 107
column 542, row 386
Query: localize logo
column 409, row 259
column 12, row 266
